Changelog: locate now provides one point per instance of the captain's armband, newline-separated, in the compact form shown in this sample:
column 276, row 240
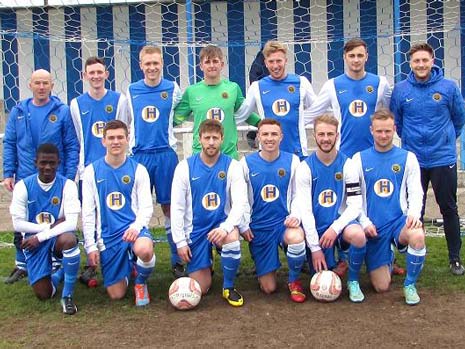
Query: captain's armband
column 353, row 189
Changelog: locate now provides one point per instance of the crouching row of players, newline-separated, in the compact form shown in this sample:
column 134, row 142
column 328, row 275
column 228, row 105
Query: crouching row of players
column 270, row 198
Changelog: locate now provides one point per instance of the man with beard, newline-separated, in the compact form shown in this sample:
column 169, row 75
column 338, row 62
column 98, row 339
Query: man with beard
column 330, row 180
column 209, row 200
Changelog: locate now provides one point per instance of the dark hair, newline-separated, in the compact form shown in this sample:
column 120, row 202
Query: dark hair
column 93, row 60
column 353, row 43
column 421, row 47
column 47, row 148
column 114, row 125
column 210, row 125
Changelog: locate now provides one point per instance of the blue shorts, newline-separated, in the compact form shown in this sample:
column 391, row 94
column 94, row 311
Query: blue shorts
column 379, row 251
column 117, row 261
column 160, row 166
column 39, row 260
column 264, row 249
column 201, row 250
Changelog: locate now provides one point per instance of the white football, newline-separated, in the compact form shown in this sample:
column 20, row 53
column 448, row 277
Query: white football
column 185, row 293
column 326, row 286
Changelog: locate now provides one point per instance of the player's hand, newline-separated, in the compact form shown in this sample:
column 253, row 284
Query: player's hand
column 185, row 254
column 370, row 231
column 328, row 238
column 130, row 235
column 216, row 236
column 30, row 243
column 413, row 223
column 9, row 183
column 93, row 258
column 291, row 222
column 319, row 261
column 247, row 235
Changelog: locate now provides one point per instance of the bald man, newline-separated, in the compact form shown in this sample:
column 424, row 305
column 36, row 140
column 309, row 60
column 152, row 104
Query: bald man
column 32, row 122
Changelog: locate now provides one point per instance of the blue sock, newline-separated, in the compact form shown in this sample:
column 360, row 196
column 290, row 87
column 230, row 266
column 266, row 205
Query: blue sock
column 230, row 260
column 144, row 269
column 295, row 260
column 57, row 277
column 20, row 259
column 174, row 250
column 415, row 259
column 71, row 259
column 343, row 255
column 356, row 257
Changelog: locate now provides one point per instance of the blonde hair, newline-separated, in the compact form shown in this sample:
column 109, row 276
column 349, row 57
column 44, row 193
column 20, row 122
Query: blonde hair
column 148, row 50
column 326, row 118
column 273, row 46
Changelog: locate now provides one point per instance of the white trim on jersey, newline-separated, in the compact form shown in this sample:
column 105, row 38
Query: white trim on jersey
column 69, row 209
column 327, row 101
column 411, row 191
column 349, row 209
column 236, row 203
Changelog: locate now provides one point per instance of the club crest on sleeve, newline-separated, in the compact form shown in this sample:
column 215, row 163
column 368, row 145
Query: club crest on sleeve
column 338, row 176
column 126, row 179
column 53, row 118
column 109, row 108
column 221, row 175
column 55, row 200
column 395, row 168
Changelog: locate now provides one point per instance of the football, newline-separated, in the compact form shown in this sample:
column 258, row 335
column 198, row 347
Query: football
column 325, row 286
column 185, row 293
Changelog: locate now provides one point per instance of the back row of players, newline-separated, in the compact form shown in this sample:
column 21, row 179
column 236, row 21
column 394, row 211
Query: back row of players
column 209, row 194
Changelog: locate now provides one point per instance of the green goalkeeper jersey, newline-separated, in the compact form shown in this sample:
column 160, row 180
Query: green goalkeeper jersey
column 221, row 102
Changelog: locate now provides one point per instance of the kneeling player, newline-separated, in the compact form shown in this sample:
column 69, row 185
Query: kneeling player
column 45, row 208
column 329, row 179
column 392, row 193
column 208, row 202
column 271, row 183
column 117, row 205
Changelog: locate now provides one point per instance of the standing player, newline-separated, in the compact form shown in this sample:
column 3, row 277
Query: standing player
column 353, row 97
column 283, row 97
column 329, row 200
column 271, row 183
column 45, row 209
column 116, row 210
column 214, row 98
column 392, row 193
column 209, row 200
column 430, row 115
column 151, row 138
column 37, row 120
column 90, row 112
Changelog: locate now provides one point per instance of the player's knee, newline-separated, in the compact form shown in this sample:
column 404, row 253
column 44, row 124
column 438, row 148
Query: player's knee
column 381, row 286
column 145, row 254
column 268, row 288
column 358, row 239
column 67, row 241
column 116, row 294
column 43, row 295
column 417, row 239
column 293, row 236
